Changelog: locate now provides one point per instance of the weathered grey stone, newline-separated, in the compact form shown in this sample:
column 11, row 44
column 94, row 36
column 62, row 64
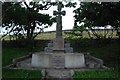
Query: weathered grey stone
column 59, row 20
column 16, row 60
column 93, row 62
column 41, row 60
column 25, row 63
column 58, row 61
column 48, row 49
column 91, row 65
column 69, row 50
column 67, row 45
column 58, row 44
column 50, row 44
column 55, row 73
column 74, row 60
column 97, row 65
column 97, row 60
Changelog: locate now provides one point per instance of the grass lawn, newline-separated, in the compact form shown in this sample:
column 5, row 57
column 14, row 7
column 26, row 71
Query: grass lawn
column 7, row 55
column 10, row 53
column 109, row 53
column 96, row 74
column 21, row 74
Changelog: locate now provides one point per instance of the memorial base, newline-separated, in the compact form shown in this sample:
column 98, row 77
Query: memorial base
column 58, row 60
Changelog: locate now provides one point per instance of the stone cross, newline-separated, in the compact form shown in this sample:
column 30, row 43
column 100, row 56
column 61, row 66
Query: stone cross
column 59, row 20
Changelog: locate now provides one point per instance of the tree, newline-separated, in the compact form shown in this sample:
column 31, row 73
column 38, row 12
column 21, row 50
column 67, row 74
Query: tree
column 98, row 14
column 76, row 32
column 24, row 20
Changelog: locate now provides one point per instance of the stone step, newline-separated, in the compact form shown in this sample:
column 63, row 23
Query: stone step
column 57, row 73
column 67, row 48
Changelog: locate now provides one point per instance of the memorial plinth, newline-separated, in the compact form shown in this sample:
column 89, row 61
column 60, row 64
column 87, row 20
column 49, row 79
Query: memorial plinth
column 58, row 60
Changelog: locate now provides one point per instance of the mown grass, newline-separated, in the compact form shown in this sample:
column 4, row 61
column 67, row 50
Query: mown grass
column 10, row 53
column 110, row 54
column 21, row 74
column 96, row 74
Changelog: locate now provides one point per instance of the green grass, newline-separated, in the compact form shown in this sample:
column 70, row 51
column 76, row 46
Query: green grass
column 10, row 53
column 108, row 51
column 96, row 74
column 110, row 54
column 23, row 74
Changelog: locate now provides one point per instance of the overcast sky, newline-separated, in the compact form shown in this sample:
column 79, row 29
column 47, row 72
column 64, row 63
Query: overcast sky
column 67, row 20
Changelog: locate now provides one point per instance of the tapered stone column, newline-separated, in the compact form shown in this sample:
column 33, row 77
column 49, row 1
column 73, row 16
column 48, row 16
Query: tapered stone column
column 58, row 42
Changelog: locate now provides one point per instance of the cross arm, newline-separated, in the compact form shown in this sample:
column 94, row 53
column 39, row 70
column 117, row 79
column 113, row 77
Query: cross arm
column 61, row 13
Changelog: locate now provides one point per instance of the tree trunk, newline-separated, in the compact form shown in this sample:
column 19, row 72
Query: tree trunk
column 89, row 34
